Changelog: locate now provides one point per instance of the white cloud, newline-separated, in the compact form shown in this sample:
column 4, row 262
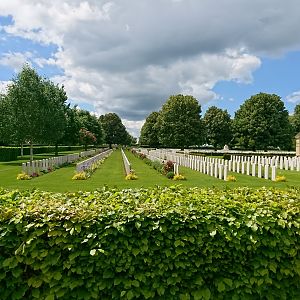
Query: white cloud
column 129, row 56
column 294, row 97
column 15, row 60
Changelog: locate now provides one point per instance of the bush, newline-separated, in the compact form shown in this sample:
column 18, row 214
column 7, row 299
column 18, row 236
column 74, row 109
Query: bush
column 170, row 175
column 168, row 167
column 157, row 165
column 131, row 176
column 23, row 176
column 226, row 156
column 161, row 243
column 231, row 178
column 179, row 177
column 80, row 176
column 280, row 178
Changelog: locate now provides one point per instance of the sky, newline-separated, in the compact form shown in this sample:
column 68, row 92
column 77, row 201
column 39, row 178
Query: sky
column 128, row 57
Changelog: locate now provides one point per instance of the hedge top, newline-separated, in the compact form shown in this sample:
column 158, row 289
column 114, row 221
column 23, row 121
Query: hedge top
column 153, row 203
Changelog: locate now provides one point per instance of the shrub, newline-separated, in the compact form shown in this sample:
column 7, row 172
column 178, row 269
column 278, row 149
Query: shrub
column 230, row 178
column 23, row 176
column 179, row 177
column 226, row 156
column 170, row 175
column 280, row 178
column 161, row 243
column 131, row 176
column 80, row 176
column 157, row 165
column 168, row 167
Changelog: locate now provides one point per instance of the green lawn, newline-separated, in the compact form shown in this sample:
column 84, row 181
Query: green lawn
column 112, row 174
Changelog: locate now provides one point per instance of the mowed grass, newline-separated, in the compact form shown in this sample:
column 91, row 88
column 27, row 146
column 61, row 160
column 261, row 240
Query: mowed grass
column 112, row 174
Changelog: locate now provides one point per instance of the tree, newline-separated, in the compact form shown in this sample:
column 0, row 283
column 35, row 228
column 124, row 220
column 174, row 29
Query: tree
column 179, row 122
column 90, row 123
column 114, row 131
column 6, row 129
column 73, row 125
column 262, row 122
column 149, row 131
column 295, row 119
column 56, row 107
column 86, row 137
column 27, row 107
column 217, row 124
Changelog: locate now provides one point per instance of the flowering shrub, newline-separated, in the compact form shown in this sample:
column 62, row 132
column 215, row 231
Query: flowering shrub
column 179, row 177
column 23, row 176
column 80, row 176
column 280, row 178
column 230, row 178
column 131, row 176
column 168, row 166
column 86, row 137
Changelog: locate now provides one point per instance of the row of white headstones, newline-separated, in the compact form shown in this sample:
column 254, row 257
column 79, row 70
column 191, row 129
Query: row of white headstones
column 262, row 167
column 37, row 166
column 87, row 164
column 127, row 165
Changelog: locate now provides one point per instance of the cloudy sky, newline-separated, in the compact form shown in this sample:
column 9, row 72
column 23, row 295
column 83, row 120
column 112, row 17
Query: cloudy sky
column 129, row 56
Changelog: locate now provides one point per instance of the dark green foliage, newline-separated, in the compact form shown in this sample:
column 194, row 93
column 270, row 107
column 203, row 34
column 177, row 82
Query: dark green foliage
column 226, row 156
column 262, row 122
column 114, row 130
column 295, row 119
column 179, row 122
column 150, row 131
column 9, row 153
column 170, row 175
column 217, row 124
column 162, row 243
column 12, row 153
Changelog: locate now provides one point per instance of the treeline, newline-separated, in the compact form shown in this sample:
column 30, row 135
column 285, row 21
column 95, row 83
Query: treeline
column 261, row 122
column 35, row 111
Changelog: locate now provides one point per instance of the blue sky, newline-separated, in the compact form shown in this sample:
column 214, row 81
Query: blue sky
column 128, row 57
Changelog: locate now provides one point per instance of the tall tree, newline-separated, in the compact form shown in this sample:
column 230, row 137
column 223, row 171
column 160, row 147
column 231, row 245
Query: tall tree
column 149, row 131
column 91, row 123
column 56, row 107
column 6, row 128
column 295, row 119
column 114, row 130
column 262, row 122
column 27, row 104
column 179, row 122
column 217, row 124
column 73, row 124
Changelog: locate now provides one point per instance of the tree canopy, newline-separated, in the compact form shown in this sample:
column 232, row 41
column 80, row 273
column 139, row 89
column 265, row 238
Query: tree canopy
column 114, row 130
column 179, row 122
column 295, row 119
column 217, row 124
column 262, row 122
column 150, row 131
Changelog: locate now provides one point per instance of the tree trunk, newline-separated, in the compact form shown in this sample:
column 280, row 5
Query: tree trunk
column 31, row 151
column 85, row 147
column 56, row 149
column 22, row 150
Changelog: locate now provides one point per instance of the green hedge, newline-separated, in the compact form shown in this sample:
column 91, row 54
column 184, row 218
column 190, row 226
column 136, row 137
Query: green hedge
column 8, row 153
column 164, row 243
column 12, row 153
